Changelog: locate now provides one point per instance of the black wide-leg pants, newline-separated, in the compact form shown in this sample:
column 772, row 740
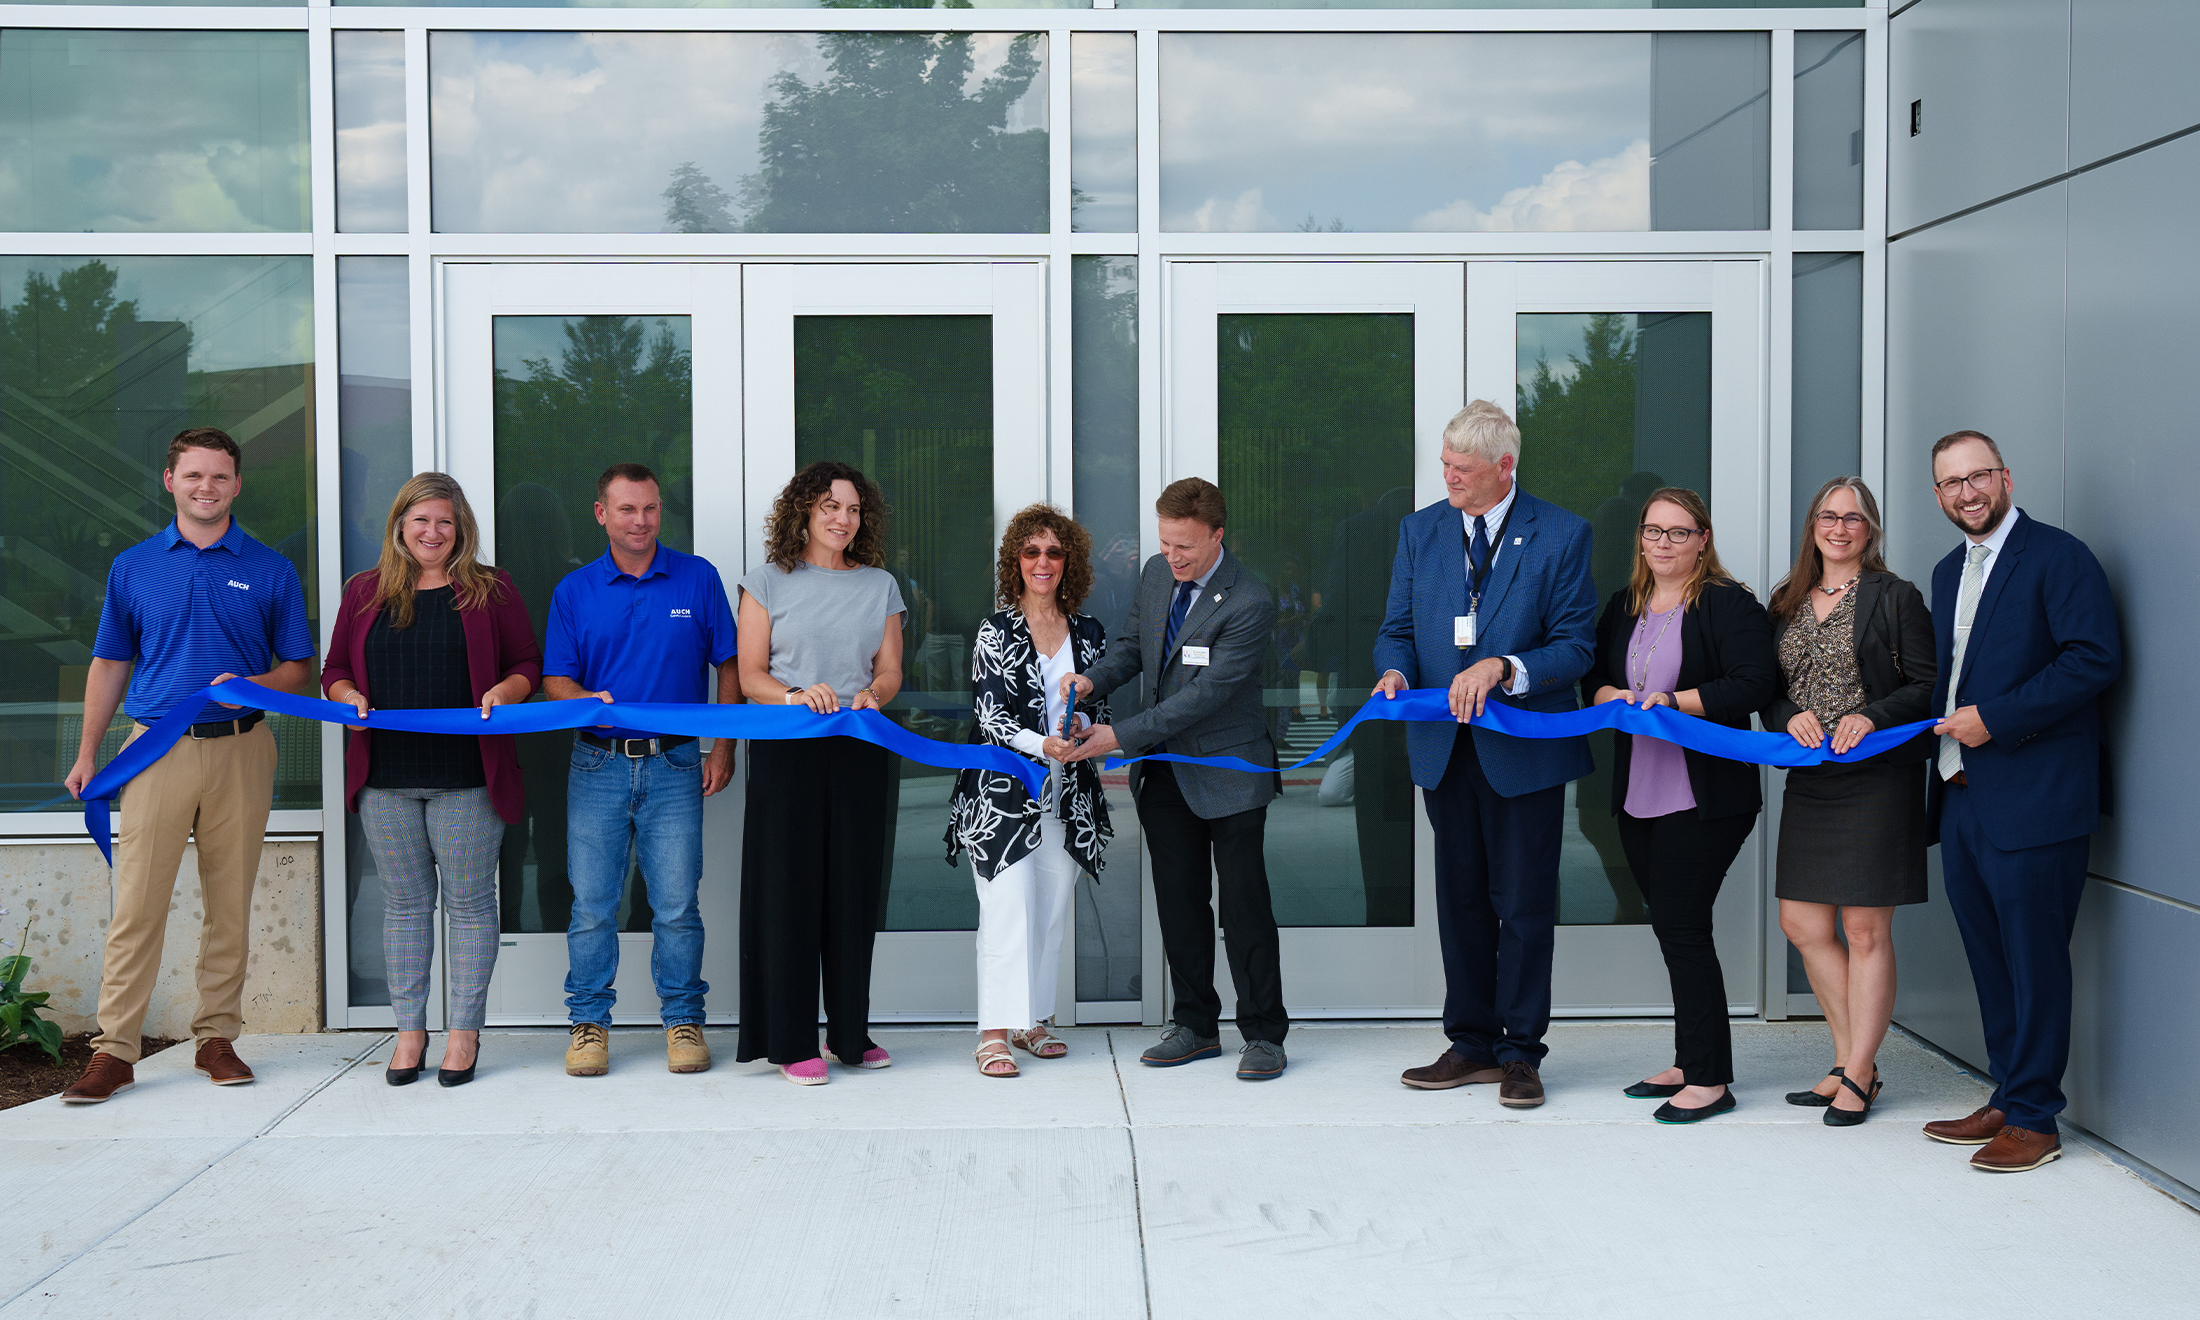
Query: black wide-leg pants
column 813, row 858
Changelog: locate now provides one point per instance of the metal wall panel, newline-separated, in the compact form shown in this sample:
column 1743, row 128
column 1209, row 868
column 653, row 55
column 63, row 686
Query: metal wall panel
column 2135, row 1046
column 1994, row 76
column 2134, row 282
column 2130, row 73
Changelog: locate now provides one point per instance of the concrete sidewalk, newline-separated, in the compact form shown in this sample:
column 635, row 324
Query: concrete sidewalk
column 1090, row 1186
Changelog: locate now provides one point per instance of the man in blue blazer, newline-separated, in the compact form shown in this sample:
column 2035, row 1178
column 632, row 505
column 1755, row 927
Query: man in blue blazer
column 1491, row 596
column 2027, row 638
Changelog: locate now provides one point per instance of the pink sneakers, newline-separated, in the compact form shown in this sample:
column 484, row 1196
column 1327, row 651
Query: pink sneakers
column 874, row 1058
column 809, row 1072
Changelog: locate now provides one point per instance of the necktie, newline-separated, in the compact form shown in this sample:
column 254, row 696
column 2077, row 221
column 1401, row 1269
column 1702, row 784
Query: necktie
column 1478, row 551
column 1974, row 583
column 1178, row 608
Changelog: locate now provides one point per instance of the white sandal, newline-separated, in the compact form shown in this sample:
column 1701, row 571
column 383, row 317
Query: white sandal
column 990, row 1052
column 1035, row 1041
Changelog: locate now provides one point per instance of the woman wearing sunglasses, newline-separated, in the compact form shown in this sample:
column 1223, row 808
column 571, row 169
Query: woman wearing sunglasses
column 1856, row 654
column 1027, row 852
column 1684, row 634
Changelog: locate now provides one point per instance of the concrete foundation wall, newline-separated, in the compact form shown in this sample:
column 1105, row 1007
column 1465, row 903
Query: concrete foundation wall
column 67, row 888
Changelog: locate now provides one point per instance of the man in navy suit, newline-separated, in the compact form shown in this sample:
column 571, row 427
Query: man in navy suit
column 1491, row 596
column 2027, row 639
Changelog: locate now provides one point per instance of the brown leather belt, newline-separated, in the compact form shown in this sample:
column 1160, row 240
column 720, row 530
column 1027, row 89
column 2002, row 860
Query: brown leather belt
column 1958, row 780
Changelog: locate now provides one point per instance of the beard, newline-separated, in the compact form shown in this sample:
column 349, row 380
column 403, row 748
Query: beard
column 1997, row 508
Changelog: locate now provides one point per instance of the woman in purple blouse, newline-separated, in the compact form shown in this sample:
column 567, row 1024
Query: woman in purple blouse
column 1683, row 633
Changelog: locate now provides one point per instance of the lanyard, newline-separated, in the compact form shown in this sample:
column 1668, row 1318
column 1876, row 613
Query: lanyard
column 1478, row 578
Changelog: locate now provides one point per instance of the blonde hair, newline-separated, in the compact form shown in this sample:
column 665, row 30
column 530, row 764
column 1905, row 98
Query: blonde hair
column 1484, row 430
column 1640, row 583
column 397, row 574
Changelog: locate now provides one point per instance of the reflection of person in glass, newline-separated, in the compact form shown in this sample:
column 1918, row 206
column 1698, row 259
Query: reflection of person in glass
column 821, row 626
column 1197, row 633
column 1491, row 597
column 1027, row 852
column 1355, row 587
column 196, row 603
column 1684, row 634
column 644, row 622
column 1611, row 560
column 535, row 549
column 432, row 627
column 1856, row 654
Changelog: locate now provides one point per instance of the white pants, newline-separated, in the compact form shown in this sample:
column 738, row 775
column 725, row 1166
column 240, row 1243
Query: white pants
column 1021, row 913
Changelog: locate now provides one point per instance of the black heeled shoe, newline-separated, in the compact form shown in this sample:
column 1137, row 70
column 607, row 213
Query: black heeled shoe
column 457, row 1076
column 404, row 1076
column 1813, row 1100
column 1653, row 1090
column 1852, row 1117
column 1672, row 1113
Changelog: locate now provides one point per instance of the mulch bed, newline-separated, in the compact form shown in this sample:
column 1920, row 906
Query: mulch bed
column 26, row 1074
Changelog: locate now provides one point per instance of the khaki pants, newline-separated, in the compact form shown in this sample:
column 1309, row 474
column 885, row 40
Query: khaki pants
column 221, row 789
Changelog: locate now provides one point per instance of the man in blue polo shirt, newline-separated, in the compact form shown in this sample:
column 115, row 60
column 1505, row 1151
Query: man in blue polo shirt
column 196, row 603
column 643, row 623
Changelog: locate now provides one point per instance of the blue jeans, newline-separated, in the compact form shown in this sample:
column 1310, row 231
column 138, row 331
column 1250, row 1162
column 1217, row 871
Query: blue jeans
column 652, row 807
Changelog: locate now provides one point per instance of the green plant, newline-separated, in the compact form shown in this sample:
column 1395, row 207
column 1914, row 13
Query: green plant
column 19, row 1020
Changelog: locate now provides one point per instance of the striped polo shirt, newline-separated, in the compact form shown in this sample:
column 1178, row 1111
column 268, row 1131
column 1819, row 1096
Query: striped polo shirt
column 183, row 615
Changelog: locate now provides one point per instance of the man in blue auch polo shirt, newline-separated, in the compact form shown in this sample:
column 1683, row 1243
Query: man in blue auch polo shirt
column 196, row 603
column 640, row 624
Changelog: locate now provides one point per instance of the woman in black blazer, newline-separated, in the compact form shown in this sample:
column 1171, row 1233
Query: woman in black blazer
column 1685, row 634
column 1855, row 646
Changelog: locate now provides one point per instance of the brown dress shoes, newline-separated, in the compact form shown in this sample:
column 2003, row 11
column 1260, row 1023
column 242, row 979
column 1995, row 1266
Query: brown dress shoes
column 218, row 1060
column 2017, row 1150
column 1983, row 1125
column 1522, row 1087
column 1451, row 1069
column 106, row 1075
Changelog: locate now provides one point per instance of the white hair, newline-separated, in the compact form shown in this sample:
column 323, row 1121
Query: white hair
column 1484, row 430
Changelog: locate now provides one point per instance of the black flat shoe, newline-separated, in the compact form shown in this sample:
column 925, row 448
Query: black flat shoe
column 1852, row 1117
column 1811, row 1099
column 1652, row 1090
column 1672, row 1113
column 404, row 1076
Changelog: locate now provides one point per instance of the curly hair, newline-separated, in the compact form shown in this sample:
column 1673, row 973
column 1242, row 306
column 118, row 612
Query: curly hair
column 1032, row 519
column 787, row 530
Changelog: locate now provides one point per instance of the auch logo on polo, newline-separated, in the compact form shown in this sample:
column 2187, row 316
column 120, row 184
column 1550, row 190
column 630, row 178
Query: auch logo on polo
column 241, row 586
column 682, row 614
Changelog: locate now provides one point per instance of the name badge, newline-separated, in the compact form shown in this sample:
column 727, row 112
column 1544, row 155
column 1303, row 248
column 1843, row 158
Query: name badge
column 1195, row 655
column 1462, row 631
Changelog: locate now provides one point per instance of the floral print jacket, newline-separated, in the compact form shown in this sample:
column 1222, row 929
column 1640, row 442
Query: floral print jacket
column 992, row 814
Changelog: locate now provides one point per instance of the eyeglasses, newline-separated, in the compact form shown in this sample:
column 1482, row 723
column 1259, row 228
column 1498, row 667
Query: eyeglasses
column 1983, row 479
column 1852, row 521
column 1053, row 552
column 1670, row 535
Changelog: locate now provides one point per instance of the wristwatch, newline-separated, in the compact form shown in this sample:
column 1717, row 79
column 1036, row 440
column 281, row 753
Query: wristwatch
column 792, row 693
column 1505, row 672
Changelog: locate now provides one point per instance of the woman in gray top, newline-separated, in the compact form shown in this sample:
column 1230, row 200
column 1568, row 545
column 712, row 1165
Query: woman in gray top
column 820, row 625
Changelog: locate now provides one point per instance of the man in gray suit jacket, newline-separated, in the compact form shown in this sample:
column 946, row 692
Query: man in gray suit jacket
column 1197, row 631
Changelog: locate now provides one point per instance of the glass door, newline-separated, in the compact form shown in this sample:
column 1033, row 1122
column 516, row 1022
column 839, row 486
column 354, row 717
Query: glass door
column 1314, row 395
column 930, row 378
column 552, row 373
column 1626, row 376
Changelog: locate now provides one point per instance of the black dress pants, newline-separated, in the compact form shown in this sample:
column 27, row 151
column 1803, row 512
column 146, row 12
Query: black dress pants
column 1193, row 857
column 813, row 849
column 1679, row 863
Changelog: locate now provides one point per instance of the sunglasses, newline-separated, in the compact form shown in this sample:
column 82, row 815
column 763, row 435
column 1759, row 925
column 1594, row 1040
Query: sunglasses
column 1053, row 552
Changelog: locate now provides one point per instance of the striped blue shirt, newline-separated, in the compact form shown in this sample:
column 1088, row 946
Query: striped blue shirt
column 183, row 615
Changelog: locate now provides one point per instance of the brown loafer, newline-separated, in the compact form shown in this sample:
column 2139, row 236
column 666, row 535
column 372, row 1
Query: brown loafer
column 2017, row 1150
column 1451, row 1069
column 1522, row 1087
column 106, row 1075
column 218, row 1060
column 1981, row 1126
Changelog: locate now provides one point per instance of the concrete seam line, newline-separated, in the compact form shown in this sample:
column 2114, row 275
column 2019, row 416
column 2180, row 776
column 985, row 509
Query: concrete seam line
column 1138, row 1200
column 165, row 1197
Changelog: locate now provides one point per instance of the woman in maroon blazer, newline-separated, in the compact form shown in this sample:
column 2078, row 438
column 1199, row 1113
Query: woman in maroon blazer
column 431, row 626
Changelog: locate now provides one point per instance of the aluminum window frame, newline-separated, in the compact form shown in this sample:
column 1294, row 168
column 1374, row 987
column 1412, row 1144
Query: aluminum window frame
column 426, row 250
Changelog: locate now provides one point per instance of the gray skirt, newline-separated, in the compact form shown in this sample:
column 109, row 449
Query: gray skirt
column 1853, row 835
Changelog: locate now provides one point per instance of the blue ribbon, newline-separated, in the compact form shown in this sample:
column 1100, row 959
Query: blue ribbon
column 763, row 723
column 1434, row 704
